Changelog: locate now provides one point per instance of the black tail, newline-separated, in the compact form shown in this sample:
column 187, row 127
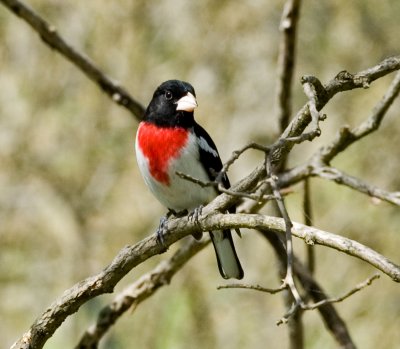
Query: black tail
column 228, row 261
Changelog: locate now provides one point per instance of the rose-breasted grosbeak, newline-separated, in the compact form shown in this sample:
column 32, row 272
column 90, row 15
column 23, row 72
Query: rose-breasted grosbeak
column 168, row 141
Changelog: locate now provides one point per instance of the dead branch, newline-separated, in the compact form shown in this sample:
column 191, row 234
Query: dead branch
column 349, row 293
column 48, row 33
column 254, row 287
column 318, row 165
column 286, row 60
column 144, row 287
column 289, row 277
column 332, row 320
column 323, row 302
column 333, row 174
column 344, row 81
column 131, row 256
column 345, row 137
column 138, row 292
column 285, row 68
column 261, row 197
column 339, row 177
column 308, row 220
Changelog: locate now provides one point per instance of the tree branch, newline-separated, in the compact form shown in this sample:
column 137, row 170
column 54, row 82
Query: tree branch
column 289, row 277
column 131, row 256
column 318, row 165
column 343, row 81
column 254, row 287
column 346, row 137
column 286, row 60
column 308, row 220
column 138, row 292
column 349, row 293
column 301, row 172
column 332, row 320
column 50, row 37
column 286, row 65
column 339, row 177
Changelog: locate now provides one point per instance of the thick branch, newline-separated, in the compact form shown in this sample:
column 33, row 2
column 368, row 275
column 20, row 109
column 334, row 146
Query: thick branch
column 138, row 292
column 129, row 257
column 50, row 36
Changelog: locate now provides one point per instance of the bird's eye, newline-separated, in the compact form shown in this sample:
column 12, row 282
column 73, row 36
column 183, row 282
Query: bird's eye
column 168, row 95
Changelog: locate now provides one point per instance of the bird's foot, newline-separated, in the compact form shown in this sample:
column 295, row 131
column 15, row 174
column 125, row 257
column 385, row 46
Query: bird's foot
column 195, row 214
column 161, row 230
column 194, row 217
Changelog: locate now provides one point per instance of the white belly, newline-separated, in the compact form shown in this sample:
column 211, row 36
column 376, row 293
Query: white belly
column 179, row 194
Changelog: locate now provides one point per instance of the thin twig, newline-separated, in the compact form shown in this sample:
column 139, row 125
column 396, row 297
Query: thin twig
column 297, row 306
column 354, row 290
column 254, row 287
column 308, row 221
column 332, row 320
column 289, row 278
column 310, row 169
column 236, row 154
column 339, row 177
column 310, row 88
column 256, row 197
column 347, row 137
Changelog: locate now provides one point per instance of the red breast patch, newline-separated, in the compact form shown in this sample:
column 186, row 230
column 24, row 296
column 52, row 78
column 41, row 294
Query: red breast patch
column 160, row 145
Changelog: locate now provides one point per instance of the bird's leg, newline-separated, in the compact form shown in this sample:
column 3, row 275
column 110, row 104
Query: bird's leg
column 163, row 226
column 194, row 215
column 161, row 231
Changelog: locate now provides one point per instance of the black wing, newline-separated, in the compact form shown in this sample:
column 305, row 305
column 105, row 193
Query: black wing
column 209, row 156
column 212, row 163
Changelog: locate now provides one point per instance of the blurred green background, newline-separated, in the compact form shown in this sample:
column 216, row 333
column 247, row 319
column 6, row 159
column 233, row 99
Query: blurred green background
column 71, row 196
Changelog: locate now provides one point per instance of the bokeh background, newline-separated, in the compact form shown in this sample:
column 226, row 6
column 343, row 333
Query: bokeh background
column 71, row 196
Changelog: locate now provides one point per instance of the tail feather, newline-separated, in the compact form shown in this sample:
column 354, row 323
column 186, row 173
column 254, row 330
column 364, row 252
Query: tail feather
column 228, row 261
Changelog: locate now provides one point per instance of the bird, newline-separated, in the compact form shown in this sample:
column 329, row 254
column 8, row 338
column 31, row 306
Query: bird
column 169, row 141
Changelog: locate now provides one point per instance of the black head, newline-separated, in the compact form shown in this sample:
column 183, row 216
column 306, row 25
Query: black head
column 172, row 105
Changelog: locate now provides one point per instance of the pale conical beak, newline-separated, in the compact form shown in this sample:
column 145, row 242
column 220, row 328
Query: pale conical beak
column 187, row 103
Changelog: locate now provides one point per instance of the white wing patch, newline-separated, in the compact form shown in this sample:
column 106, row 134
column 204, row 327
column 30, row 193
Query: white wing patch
column 206, row 147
